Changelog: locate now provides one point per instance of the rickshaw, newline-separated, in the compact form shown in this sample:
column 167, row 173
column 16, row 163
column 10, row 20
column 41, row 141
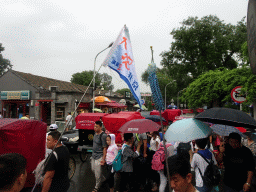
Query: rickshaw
column 85, row 130
column 26, row 137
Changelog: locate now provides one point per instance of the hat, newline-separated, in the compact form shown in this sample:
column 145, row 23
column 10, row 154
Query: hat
column 54, row 126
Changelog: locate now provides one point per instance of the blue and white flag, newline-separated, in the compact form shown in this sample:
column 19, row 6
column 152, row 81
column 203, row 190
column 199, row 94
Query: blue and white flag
column 120, row 59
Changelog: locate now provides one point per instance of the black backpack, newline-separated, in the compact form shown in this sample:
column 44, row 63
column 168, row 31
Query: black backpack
column 211, row 175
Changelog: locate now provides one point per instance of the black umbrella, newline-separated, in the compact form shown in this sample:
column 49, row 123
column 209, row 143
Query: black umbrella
column 155, row 118
column 227, row 116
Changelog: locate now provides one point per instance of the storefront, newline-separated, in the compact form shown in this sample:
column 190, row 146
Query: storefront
column 15, row 104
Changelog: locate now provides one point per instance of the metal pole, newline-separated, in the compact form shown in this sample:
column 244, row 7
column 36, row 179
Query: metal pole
column 94, row 75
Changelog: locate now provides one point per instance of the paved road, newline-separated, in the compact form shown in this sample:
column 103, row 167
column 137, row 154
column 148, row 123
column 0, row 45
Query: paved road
column 83, row 180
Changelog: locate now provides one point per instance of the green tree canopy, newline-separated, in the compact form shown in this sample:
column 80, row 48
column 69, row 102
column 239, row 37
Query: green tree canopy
column 213, row 88
column 201, row 45
column 5, row 64
column 85, row 77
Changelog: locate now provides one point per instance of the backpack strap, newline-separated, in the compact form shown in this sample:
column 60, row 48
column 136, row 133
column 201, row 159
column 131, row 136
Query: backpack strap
column 205, row 158
column 206, row 161
column 137, row 137
column 101, row 136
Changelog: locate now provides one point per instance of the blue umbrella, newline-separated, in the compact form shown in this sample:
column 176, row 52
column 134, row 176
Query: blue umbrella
column 155, row 118
column 225, row 130
column 186, row 130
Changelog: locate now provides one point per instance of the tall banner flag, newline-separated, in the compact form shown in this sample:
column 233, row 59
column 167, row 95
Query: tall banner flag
column 120, row 59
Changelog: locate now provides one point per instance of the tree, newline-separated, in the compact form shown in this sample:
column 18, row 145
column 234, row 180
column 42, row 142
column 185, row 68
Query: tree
column 85, row 77
column 245, row 53
column 213, row 88
column 201, row 45
column 5, row 64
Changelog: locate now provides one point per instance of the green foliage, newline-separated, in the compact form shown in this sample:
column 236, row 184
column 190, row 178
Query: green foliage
column 5, row 64
column 245, row 53
column 213, row 88
column 85, row 77
column 201, row 45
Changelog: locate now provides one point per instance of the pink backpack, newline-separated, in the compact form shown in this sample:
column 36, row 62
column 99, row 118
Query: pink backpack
column 158, row 159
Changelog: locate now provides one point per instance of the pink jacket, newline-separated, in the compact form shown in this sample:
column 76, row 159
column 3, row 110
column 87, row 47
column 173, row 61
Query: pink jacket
column 112, row 150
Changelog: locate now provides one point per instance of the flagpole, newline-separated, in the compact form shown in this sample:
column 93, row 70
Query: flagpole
column 94, row 75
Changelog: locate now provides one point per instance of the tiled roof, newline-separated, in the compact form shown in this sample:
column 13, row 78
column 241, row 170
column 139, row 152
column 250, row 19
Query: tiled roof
column 38, row 81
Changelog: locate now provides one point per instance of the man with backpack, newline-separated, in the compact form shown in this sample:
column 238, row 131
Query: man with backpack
column 204, row 164
column 98, row 159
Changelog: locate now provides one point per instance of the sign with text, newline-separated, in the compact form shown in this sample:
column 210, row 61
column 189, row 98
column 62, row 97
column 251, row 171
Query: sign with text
column 15, row 95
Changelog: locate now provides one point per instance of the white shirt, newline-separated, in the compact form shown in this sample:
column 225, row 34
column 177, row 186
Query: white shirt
column 1, row 117
column 153, row 143
column 198, row 161
column 69, row 119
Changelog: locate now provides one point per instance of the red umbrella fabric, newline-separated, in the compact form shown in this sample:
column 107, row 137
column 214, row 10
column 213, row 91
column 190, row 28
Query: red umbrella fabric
column 139, row 126
column 241, row 129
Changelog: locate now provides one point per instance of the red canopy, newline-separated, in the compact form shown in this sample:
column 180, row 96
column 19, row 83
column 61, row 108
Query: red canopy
column 187, row 111
column 26, row 137
column 170, row 114
column 113, row 122
column 87, row 120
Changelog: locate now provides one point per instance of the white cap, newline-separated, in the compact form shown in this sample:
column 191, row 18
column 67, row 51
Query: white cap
column 53, row 126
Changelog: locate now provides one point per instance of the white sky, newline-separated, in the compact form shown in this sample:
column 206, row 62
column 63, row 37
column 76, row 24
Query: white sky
column 57, row 38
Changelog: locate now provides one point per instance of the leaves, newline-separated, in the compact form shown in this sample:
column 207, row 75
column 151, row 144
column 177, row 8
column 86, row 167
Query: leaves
column 85, row 77
column 5, row 64
column 201, row 45
column 215, row 87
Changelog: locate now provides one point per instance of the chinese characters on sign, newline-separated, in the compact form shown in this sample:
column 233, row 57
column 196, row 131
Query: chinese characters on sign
column 13, row 95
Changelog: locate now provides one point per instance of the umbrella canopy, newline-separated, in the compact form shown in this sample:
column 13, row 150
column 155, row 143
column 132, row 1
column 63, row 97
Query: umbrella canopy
column 225, row 130
column 156, row 119
column 186, row 130
column 139, row 126
column 101, row 99
column 227, row 116
column 143, row 107
column 97, row 110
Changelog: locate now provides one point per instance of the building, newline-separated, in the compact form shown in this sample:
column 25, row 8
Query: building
column 42, row 98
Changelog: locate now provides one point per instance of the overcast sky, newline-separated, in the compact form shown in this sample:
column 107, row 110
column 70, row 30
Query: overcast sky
column 57, row 38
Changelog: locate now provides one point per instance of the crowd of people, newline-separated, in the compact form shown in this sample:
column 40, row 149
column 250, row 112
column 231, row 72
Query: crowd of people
column 209, row 164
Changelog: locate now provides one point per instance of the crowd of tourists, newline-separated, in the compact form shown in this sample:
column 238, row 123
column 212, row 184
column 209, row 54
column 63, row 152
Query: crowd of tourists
column 209, row 164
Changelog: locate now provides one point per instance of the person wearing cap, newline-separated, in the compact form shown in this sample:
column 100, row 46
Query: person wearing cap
column 53, row 127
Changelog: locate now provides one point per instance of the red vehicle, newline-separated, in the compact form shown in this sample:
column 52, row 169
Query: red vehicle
column 85, row 124
column 113, row 122
column 26, row 137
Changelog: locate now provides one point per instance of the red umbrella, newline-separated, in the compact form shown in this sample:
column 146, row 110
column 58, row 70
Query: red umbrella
column 139, row 126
